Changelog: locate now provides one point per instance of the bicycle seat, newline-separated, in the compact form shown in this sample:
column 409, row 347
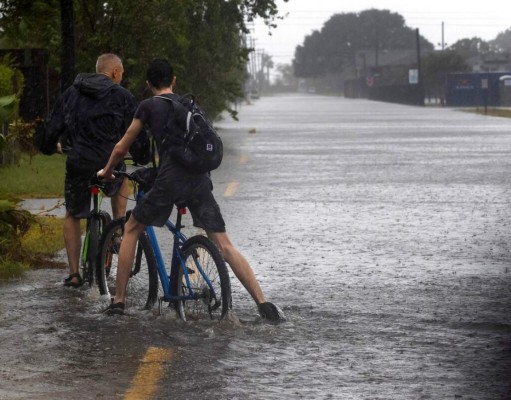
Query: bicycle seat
column 181, row 204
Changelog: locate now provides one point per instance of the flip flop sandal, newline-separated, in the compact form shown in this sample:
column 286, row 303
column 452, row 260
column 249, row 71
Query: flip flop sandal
column 114, row 308
column 68, row 282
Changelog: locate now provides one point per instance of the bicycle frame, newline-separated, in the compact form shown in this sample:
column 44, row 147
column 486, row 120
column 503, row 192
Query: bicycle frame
column 177, row 258
column 97, row 199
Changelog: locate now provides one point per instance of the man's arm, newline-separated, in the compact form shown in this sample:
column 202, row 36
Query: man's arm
column 48, row 133
column 121, row 149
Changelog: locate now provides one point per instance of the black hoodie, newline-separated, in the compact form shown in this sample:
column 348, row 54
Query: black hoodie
column 92, row 115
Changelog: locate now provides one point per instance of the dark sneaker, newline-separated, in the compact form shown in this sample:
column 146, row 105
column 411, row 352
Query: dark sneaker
column 271, row 312
column 114, row 309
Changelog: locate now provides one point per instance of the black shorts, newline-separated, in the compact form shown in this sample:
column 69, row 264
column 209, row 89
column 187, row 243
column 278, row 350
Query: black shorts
column 193, row 192
column 77, row 193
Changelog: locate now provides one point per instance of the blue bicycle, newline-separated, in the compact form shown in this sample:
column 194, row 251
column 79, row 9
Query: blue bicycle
column 197, row 283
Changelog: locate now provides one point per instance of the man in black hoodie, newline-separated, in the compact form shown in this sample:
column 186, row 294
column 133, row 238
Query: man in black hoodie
column 90, row 117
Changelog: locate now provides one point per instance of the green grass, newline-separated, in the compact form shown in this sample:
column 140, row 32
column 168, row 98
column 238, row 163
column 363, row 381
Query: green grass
column 12, row 269
column 43, row 177
column 494, row 112
column 38, row 247
column 43, row 240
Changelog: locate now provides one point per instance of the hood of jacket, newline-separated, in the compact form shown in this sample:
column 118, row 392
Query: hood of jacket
column 93, row 85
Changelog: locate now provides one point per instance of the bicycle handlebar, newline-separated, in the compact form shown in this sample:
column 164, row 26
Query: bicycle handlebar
column 144, row 177
column 123, row 173
column 96, row 182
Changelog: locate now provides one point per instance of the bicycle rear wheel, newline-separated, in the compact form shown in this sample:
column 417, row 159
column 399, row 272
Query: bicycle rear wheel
column 212, row 301
column 142, row 290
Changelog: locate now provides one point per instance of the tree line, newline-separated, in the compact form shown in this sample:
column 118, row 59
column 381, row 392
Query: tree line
column 344, row 37
column 203, row 39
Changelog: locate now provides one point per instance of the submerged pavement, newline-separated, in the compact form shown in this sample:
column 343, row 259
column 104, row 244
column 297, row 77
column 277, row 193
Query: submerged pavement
column 382, row 230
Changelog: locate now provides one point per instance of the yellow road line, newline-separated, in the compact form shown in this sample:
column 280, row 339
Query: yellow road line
column 230, row 190
column 243, row 159
column 145, row 382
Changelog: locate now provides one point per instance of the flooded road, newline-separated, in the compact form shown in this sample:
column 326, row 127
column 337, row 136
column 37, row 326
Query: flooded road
column 383, row 231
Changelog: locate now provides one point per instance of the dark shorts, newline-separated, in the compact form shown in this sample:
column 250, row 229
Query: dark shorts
column 193, row 192
column 77, row 188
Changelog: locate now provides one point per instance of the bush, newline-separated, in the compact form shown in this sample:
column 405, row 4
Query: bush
column 12, row 269
column 11, row 88
column 41, row 177
column 27, row 241
column 14, row 223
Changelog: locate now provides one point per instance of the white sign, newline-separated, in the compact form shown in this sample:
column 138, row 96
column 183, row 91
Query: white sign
column 484, row 83
column 413, row 76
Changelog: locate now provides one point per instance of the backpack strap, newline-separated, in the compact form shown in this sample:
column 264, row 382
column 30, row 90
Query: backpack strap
column 153, row 153
column 175, row 102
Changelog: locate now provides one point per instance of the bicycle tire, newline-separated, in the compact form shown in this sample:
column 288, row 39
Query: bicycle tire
column 142, row 290
column 94, row 232
column 95, row 225
column 106, row 218
column 213, row 264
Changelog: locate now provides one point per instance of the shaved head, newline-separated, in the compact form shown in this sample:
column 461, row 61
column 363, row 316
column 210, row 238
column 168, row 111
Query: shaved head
column 107, row 62
column 110, row 64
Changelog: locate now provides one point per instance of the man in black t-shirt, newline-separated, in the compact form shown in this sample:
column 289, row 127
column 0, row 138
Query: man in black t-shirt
column 173, row 184
column 90, row 117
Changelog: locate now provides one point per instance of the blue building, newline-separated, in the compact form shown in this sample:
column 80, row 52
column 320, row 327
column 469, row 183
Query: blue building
column 474, row 89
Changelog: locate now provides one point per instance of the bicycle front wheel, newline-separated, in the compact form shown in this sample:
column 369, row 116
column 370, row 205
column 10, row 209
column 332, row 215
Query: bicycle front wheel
column 210, row 288
column 96, row 224
column 142, row 289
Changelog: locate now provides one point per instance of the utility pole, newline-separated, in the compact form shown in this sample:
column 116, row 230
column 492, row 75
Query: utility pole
column 67, row 55
column 443, row 41
column 254, row 59
column 420, row 94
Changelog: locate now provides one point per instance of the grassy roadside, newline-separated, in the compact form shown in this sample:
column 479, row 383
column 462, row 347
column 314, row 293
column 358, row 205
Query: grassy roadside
column 41, row 177
column 493, row 112
column 38, row 246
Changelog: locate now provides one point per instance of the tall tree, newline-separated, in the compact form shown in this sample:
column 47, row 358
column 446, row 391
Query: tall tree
column 437, row 64
column 286, row 76
column 30, row 23
column 67, row 55
column 334, row 47
column 310, row 58
column 468, row 48
column 202, row 38
column 503, row 41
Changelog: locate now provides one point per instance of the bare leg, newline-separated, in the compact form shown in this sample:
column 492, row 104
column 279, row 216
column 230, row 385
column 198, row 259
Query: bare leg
column 239, row 265
column 73, row 242
column 120, row 200
column 132, row 231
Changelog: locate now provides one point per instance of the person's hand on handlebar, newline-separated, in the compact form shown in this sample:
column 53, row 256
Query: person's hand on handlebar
column 102, row 176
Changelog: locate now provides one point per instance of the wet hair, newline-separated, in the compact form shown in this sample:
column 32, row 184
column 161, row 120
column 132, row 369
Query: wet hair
column 107, row 62
column 160, row 73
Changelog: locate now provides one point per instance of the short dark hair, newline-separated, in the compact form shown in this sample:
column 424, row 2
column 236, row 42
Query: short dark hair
column 160, row 73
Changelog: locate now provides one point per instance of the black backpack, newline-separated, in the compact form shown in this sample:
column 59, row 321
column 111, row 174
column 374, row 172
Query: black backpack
column 200, row 148
column 141, row 150
column 44, row 141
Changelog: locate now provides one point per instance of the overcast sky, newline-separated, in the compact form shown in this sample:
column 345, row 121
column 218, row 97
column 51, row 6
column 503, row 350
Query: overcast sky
column 462, row 19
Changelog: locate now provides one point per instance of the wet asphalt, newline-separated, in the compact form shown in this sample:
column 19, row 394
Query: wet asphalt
column 382, row 231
